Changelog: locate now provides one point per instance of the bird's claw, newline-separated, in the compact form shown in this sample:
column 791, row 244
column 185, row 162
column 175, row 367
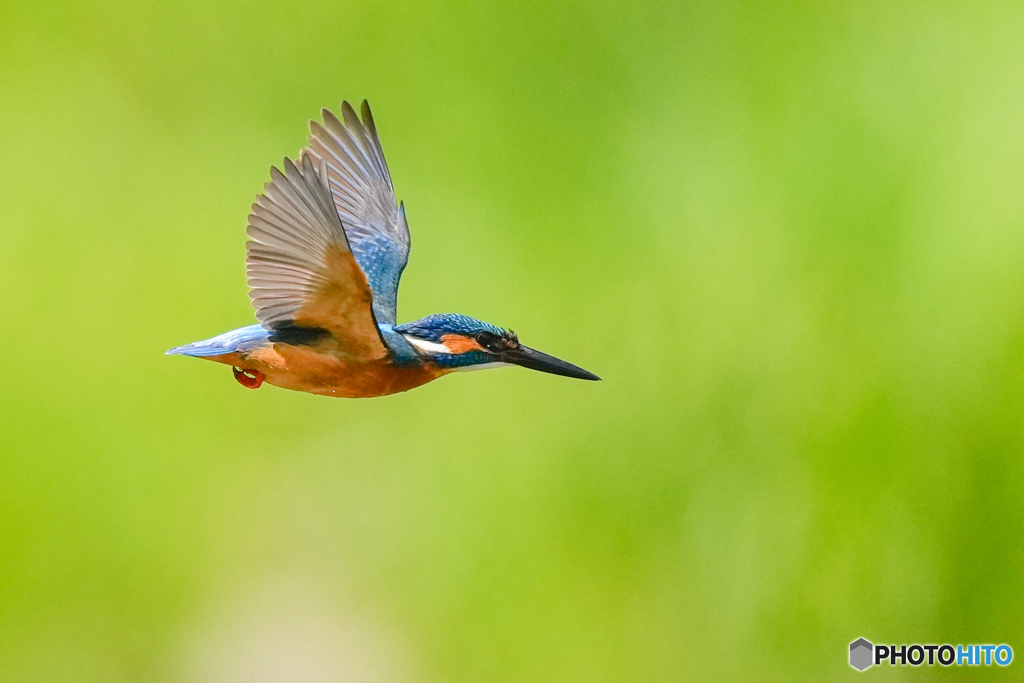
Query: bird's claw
column 251, row 379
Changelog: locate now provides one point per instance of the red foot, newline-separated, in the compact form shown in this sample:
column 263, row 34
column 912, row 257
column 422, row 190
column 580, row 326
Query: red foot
column 251, row 379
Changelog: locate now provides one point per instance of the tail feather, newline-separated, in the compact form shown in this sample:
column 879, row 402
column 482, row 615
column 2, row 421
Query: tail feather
column 243, row 339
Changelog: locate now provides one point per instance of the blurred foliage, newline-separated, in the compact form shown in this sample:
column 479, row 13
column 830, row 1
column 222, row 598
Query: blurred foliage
column 788, row 235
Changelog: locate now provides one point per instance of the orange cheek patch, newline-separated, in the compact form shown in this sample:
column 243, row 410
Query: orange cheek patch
column 459, row 344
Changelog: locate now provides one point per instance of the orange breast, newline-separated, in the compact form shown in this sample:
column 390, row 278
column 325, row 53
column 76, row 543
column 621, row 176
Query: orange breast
column 304, row 369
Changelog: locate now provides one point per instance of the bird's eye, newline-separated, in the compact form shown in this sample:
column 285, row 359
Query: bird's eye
column 487, row 340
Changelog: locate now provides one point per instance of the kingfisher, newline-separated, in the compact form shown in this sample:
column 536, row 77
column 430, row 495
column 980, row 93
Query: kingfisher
column 327, row 246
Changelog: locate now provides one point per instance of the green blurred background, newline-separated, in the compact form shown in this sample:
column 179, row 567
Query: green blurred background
column 789, row 237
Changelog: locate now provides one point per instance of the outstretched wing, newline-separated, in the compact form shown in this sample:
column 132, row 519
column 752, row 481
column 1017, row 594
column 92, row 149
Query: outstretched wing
column 300, row 268
column 361, row 186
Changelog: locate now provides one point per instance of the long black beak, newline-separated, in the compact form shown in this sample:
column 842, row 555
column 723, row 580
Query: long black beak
column 535, row 360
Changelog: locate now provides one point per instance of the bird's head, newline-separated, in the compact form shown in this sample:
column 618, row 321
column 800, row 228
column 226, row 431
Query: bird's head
column 459, row 342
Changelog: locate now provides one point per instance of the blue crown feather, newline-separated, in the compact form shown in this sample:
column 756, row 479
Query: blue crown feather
column 433, row 327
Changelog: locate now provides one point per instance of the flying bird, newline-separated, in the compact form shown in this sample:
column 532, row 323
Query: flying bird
column 327, row 245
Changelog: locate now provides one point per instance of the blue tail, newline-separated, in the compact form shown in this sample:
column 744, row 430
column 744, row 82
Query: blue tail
column 242, row 339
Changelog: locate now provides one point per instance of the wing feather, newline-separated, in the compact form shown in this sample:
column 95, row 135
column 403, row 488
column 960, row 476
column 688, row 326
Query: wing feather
column 353, row 167
column 371, row 127
column 300, row 268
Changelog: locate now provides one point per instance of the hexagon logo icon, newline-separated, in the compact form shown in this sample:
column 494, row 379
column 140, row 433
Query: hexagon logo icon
column 860, row 654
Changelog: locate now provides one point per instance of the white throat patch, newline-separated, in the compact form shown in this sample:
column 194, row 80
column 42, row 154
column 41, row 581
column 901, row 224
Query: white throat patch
column 481, row 366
